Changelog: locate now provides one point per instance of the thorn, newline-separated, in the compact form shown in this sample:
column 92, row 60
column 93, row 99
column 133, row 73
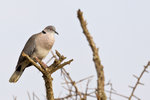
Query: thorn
column 113, row 90
column 97, row 49
column 140, row 83
column 146, row 71
column 145, row 67
column 149, row 63
column 131, row 87
column 135, row 76
column 136, row 97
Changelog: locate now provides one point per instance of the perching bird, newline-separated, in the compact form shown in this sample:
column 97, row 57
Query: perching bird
column 38, row 46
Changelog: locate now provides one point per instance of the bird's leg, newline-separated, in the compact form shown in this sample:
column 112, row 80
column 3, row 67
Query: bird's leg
column 43, row 65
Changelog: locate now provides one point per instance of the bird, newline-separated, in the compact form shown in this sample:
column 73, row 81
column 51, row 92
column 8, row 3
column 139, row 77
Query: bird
column 38, row 45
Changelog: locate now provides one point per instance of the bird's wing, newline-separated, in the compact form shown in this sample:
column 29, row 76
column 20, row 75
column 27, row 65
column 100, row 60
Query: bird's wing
column 28, row 49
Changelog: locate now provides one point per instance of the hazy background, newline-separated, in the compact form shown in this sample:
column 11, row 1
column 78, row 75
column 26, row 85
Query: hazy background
column 120, row 28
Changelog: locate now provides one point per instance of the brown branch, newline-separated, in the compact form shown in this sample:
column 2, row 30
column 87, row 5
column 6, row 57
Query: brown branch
column 99, row 67
column 32, row 61
column 61, row 66
column 48, row 84
column 72, row 82
column 74, row 92
column 113, row 91
column 87, row 78
column 63, row 98
column 47, row 71
column 88, row 94
column 118, row 94
column 138, row 80
column 86, row 90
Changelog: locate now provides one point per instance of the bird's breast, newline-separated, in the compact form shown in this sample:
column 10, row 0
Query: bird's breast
column 44, row 44
column 45, row 41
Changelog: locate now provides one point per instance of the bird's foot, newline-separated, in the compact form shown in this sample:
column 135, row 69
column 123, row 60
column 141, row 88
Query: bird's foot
column 41, row 63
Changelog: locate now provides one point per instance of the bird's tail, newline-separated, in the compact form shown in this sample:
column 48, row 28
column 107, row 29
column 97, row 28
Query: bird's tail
column 15, row 76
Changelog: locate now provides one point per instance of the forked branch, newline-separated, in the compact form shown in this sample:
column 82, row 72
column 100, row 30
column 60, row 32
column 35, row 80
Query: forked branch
column 48, row 70
column 138, row 81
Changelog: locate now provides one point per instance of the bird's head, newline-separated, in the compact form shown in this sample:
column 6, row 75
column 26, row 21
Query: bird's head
column 49, row 29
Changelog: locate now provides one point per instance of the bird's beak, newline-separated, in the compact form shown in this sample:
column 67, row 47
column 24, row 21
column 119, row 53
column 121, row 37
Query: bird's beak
column 56, row 32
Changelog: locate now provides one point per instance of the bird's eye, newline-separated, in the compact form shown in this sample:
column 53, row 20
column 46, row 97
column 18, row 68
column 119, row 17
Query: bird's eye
column 43, row 32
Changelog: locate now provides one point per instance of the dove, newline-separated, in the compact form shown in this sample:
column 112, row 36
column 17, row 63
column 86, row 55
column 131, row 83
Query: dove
column 38, row 45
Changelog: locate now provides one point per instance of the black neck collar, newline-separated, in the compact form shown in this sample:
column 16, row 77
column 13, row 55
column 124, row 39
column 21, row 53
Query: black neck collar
column 43, row 32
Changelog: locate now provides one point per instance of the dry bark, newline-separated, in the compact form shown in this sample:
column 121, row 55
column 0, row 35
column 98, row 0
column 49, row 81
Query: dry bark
column 47, row 71
column 98, row 66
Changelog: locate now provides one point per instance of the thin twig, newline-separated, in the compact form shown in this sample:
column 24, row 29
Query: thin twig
column 86, row 90
column 61, row 66
column 63, row 98
column 111, row 90
column 88, row 94
column 73, row 89
column 29, row 95
column 54, row 56
column 118, row 94
column 87, row 78
column 72, row 82
column 138, row 80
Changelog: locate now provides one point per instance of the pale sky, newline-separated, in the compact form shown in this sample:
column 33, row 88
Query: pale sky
column 120, row 28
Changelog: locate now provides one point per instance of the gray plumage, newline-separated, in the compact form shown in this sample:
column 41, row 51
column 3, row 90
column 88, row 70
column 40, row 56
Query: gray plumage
column 38, row 46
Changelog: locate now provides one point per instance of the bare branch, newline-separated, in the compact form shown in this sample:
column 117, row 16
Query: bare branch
column 29, row 95
column 87, row 78
column 63, row 98
column 47, row 71
column 61, row 66
column 138, row 81
column 111, row 90
column 86, row 90
column 99, row 67
column 54, row 56
column 121, row 95
column 35, row 96
column 72, row 82
column 32, row 61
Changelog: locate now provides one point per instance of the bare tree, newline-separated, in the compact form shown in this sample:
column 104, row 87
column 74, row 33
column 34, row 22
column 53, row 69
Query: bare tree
column 74, row 93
